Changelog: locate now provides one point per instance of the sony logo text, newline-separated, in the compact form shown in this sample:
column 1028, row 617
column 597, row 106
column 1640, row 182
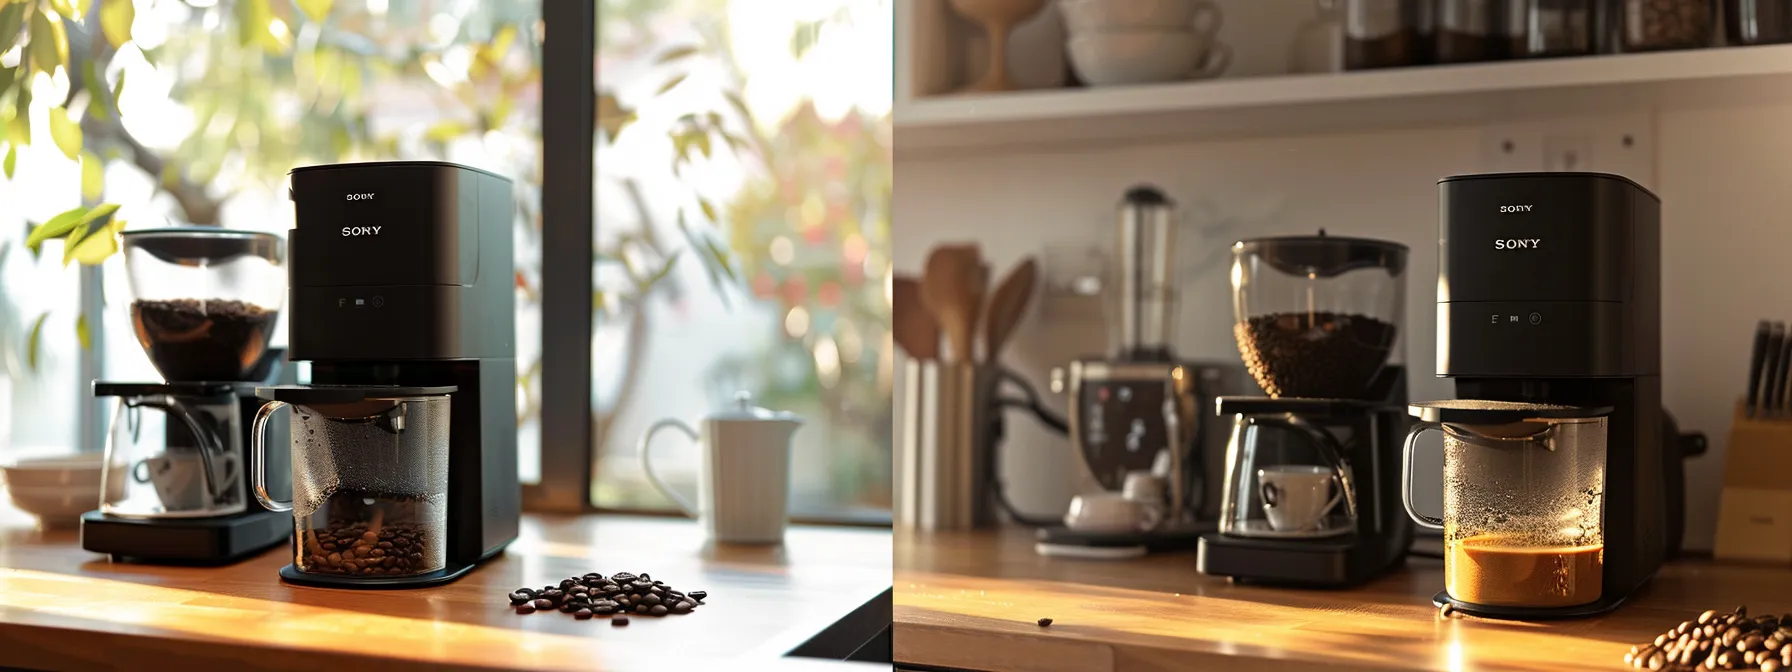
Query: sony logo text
column 360, row 197
column 360, row 231
column 1503, row 208
column 1518, row 244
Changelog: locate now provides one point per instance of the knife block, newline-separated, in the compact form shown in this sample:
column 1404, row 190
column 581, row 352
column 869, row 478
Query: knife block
column 1754, row 520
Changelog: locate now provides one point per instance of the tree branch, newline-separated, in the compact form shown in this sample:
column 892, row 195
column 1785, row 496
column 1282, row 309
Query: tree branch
column 198, row 206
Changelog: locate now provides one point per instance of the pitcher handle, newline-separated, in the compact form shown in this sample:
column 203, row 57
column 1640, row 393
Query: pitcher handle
column 1412, row 437
column 260, row 434
column 643, row 451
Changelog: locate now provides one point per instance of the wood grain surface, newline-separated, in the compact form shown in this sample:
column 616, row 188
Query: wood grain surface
column 62, row 608
column 972, row 601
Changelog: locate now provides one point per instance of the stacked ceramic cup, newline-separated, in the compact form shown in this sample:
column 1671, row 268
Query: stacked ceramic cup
column 1118, row 42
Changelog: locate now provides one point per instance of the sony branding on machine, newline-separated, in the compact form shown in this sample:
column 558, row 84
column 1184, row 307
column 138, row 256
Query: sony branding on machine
column 1515, row 243
column 360, row 197
column 350, row 231
column 1503, row 208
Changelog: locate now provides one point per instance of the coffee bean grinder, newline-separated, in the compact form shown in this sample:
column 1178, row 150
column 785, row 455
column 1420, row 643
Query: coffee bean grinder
column 1312, row 491
column 204, row 307
column 404, row 445
column 1136, row 409
column 1549, row 301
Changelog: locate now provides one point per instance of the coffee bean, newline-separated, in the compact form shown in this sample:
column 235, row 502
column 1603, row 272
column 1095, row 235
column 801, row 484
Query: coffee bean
column 651, row 600
column 1753, row 641
column 582, row 614
column 594, row 576
column 603, row 609
column 1770, row 665
column 1731, row 635
column 1786, row 649
column 622, row 577
column 683, row 607
column 1660, row 640
column 544, row 603
column 658, row 610
column 1707, row 615
column 568, row 607
column 1727, row 658
column 619, row 620
column 1658, row 660
column 519, row 597
column 700, row 595
column 641, row 608
column 566, row 583
column 525, row 608
column 646, row 577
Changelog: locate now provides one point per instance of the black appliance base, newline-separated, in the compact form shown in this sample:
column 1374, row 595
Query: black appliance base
column 1340, row 562
column 1604, row 604
column 1158, row 541
column 185, row 541
column 292, row 575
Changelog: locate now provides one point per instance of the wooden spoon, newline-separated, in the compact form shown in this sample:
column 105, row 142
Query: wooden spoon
column 952, row 289
column 1007, row 306
column 917, row 332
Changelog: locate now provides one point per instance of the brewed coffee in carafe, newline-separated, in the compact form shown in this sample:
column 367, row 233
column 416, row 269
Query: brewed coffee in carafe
column 1524, row 493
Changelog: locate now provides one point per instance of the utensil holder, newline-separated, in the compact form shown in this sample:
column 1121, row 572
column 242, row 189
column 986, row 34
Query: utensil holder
column 945, row 460
column 1754, row 522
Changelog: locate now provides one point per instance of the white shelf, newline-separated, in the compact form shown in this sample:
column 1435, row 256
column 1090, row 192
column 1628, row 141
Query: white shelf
column 1357, row 100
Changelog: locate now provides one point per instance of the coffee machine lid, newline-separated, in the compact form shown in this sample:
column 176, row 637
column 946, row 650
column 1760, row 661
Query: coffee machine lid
column 174, row 389
column 346, row 394
column 1488, row 412
column 177, row 244
column 1325, row 256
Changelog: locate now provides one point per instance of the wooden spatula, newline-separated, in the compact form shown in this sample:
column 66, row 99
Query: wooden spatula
column 952, row 289
column 916, row 332
column 1007, row 306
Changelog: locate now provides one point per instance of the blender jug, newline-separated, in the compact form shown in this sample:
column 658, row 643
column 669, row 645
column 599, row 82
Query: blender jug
column 1524, row 489
column 369, row 480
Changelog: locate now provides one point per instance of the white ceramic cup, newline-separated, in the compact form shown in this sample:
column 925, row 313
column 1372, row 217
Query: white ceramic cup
column 1147, row 56
column 743, row 488
column 1082, row 17
column 1109, row 512
column 1298, row 497
column 178, row 478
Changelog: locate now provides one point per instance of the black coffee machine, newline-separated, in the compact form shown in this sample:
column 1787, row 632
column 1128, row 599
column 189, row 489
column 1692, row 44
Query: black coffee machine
column 1311, row 495
column 402, row 280
column 205, row 301
column 1549, row 292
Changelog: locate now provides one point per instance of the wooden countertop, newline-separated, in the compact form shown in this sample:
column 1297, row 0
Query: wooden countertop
column 62, row 608
column 971, row 600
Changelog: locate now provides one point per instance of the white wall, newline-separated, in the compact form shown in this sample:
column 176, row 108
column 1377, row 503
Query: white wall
column 1722, row 175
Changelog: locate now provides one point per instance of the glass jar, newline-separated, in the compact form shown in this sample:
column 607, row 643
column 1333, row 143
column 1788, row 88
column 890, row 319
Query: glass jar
column 1758, row 21
column 204, row 300
column 1653, row 25
column 1386, row 33
column 1544, row 28
column 1468, row 31
column 1318, row 316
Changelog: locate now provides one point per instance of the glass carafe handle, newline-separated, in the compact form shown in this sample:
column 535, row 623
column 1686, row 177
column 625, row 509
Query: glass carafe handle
column 209, row 450
column 1412, row 437
column 260, row 434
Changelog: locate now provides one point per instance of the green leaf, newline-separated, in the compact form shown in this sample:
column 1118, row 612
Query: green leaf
column 445, row 131
column 12, row 159
column 96, row 105
column 668, row 86
column 33, row 341
column 7, row 74
column 501, row 42
column 739, row 105
column 316, row 10
column 612, row 117
column 65, row 132
column 702, row 142
column 49, row 42
column 94, row 247
column 118, row 89
column 709, row 209
column 12, row 20
column 62, row 7
column 678, row 53
column 93, row 177
column 57, row 227
column 116, row 17
column 720, row 256
column 81, row 332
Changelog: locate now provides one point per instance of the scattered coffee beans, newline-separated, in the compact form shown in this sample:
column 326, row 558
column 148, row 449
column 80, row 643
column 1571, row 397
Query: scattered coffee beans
column 617, row 596
column 1715, row 641
column 1318, row 355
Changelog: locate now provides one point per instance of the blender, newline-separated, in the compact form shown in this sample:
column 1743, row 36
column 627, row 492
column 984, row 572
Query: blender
column 1311, row 483
column 204, row 305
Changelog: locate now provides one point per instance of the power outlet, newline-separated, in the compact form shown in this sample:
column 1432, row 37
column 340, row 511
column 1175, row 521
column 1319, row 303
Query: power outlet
column 1622, row 145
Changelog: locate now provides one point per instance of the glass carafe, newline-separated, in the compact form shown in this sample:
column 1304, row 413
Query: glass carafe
column 204, row 300
column 1524, row 493
column 369, row 478
column 1287, row 476
column 1319, row 316
column 172, row 451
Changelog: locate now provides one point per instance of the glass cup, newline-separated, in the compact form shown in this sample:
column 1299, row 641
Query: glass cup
column 369, row 478
column 1524, row 489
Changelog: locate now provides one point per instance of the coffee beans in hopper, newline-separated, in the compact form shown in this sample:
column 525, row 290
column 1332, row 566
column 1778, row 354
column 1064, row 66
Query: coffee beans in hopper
column 592, row 595
column 1317, row 355
column 1719, row 641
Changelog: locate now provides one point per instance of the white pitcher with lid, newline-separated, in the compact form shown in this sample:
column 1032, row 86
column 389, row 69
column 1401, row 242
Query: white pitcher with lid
column 743, row 488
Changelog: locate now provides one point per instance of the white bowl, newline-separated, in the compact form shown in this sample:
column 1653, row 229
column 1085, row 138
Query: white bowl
column 1145, row 56
column 37, row 472
column 56, row 506
column 1091, row 16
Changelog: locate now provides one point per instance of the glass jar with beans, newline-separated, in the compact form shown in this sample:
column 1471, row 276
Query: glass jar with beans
column 1653, row 25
